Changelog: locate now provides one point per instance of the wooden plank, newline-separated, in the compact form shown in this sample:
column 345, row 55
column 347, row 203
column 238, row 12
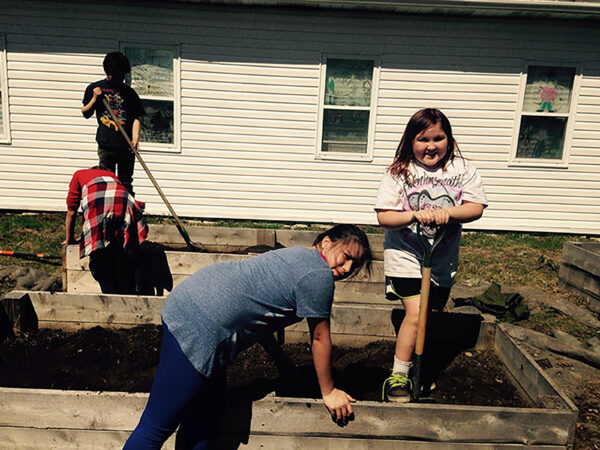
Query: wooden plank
column 358, row 320
column 363, row 322
column 166, row 269
column 115, row 411
column 29, row 438
column 592, row 301
column 84, row 410
column 182, row 262
column 487, row 333
column 241, row 237
column 410, row 421
column 82, row 282
column 18, row 312
column 277, row 442
column 341, row 340
column 356, row 292
column 581, row 279
column 542, row 391
column 179, row 262
column 118, row 310
column 101, row 309
column 584, row 255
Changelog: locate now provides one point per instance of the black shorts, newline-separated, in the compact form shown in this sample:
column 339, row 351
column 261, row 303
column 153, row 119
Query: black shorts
column 402, row 288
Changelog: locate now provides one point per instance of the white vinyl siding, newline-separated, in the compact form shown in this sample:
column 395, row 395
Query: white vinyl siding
column 4, row 116
column 250, row 99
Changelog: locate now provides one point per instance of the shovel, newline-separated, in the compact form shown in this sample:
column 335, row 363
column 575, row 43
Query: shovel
column 178, row 223
column 428, row 249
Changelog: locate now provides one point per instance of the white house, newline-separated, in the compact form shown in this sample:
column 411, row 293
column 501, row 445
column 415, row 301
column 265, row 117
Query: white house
column 292, row 110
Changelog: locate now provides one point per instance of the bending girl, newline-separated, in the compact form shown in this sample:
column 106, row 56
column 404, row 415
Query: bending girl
column 224, row 308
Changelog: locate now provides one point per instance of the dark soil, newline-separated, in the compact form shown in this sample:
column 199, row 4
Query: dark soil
column 101, row 359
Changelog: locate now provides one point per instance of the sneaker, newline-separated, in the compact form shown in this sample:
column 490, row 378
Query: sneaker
column 396, row 388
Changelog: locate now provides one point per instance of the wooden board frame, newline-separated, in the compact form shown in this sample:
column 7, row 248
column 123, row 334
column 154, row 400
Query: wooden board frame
column 81, row 419
column 169, row 268
column 580, row 270
column 224, row 239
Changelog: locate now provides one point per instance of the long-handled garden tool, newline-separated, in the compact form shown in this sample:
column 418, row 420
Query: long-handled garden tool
column 28, row 255
column 428, row 249
column 178, row 222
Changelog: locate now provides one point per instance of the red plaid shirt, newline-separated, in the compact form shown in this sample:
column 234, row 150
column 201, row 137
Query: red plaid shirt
column 109, row 212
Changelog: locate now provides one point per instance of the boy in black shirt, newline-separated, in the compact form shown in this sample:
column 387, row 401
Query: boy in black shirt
column 113, row 150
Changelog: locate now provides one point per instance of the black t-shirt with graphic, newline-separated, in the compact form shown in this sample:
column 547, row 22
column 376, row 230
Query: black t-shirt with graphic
column 126, row 105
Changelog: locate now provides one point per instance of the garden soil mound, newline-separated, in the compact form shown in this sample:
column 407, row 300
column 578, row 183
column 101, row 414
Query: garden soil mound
column 101, row 359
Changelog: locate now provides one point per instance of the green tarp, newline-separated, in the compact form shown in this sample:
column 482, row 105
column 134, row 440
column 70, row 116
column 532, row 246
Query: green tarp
column 507, row 307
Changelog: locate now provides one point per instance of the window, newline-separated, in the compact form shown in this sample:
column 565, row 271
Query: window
column 347, row 108
column 4, row 122
column 155, row 77
column 547, row 111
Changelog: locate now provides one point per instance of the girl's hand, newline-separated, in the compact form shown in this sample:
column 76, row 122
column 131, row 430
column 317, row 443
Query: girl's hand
column 97, row 92
column 338, row 404
column 433, row 217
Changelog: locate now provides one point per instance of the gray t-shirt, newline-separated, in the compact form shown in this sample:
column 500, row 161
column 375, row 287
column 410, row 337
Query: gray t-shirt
column 427, row 189
column 222, row 309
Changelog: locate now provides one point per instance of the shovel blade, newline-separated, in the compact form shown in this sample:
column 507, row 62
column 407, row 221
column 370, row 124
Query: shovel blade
column 416, row 378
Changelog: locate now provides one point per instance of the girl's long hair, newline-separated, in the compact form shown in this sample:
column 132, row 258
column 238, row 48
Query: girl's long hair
column 420, row 121
column 348, row 233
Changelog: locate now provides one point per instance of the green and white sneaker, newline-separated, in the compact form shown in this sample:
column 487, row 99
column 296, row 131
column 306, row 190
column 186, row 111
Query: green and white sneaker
column 396, row 388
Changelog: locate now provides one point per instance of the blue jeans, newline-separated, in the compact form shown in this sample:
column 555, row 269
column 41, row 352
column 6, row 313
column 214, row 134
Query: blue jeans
column 179, row 394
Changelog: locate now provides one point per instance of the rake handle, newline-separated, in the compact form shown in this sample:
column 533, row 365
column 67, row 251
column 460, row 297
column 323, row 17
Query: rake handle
column 180, row 226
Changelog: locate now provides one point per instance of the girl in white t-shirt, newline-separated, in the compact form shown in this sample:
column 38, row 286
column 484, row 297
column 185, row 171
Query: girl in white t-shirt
column 431, row 183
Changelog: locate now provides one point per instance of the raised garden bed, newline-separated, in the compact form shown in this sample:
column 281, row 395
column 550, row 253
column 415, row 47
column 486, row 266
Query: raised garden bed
column 166, row 261
column 35, row 417
column 580, row 270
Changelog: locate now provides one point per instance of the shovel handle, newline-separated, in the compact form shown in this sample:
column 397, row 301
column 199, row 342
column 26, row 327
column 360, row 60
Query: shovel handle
column 428, row 249
column 423, row 310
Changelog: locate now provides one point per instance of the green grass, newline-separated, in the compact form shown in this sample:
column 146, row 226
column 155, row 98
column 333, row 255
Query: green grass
column 513, row 258
column 230, row 223
column 546, row 321
column 32, row 233
column 549, row 242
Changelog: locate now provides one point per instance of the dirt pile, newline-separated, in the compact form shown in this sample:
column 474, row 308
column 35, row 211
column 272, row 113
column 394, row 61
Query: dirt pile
column 102, row 359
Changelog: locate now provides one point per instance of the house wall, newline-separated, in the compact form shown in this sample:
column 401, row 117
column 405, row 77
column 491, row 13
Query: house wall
column 249, row 104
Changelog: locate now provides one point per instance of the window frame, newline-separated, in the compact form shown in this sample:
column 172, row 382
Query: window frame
column 341, row 156
column 515, row 161
column 156, row 147
column 5, row 137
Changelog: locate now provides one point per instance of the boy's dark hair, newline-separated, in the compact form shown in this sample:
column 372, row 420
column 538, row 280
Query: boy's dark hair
column 420, row 121
column 116, row 63
column 347, row 233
